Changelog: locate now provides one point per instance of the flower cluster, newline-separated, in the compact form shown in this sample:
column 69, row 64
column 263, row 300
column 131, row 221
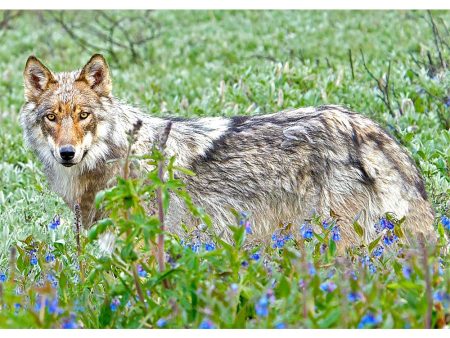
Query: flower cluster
column 115, row 303
column 207, row 324
column 387, row 227
column 141, row 272
column 366, row 261
column 244, row 221
column 384, row 224
column 445, row 222
column 198, row 246
column 378, row 252
column 335, row 233
column 161, row 322
column 306, row 231
column 262, row 306
column 50, row 304
column 55, row 223
column 69, row 323
column 328, row 286
column 279, row 240
column 354, row 296
column 369, row 320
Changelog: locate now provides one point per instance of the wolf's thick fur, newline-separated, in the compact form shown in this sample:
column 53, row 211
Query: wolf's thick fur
column 281, row 167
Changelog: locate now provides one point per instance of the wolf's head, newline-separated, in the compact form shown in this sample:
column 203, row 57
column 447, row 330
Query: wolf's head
column 64, row 114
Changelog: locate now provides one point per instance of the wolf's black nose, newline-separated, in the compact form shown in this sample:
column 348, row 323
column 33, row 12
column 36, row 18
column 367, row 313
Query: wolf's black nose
column 67, row 152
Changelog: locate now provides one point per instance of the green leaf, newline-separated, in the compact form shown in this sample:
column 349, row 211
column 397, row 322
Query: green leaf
column 105, row 314
column 374, row 243
column 99, row 228
column 99, row 198
column 184, row 171
column 330, row 319
column 358, row 229
column 332, row 247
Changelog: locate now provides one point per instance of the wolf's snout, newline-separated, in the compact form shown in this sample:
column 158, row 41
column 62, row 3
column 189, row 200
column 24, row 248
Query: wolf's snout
column 67, row 152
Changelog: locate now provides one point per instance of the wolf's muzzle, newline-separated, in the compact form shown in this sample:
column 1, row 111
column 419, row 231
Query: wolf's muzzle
column 67, row 153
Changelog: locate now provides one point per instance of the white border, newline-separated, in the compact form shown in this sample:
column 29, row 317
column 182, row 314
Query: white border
column 225, row 4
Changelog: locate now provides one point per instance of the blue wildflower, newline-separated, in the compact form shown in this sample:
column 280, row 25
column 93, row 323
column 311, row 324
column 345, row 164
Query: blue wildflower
column 244, row 264
column 387, row 224
column 365, row 260
column 210, row 246
column 378, row 252
column 328, row 286
column 262, row 307
column 280, row 326
column 115, row 303
column 234, row 287
column 196, row 247
column 301, row 283
column 52, row 279
column 206, row 324
column 306, row 231
column 17, row 307
column 278, row 240
column 141, row 272
column 369, row 320
column 161, row 322
column 69, row 323
column 372, row 268
column 325, row 225
column 445, row 222
column 49, row 257
column 52, row 305
column 288, row 237
column 335, row 234
column 383, row 224
column 389, row 239
column 441, row 296
column 55, row 223
column 447, row 102
column 406, row 271
column 248, row 228
column 354, row 296
column 280, row 243
column 33, row 260
column 2, row 277
column 256, row 256
column 311, row 269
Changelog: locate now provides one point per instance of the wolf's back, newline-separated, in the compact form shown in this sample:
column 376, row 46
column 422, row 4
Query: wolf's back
column 285, row 167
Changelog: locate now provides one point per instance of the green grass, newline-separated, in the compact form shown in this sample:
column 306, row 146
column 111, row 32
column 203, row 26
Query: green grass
column 213, row 63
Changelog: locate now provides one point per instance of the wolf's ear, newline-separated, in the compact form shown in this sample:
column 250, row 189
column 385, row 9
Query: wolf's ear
column 37, row 78
column 96, row 75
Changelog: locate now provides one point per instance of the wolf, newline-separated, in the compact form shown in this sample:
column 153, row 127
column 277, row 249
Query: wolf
column 281, row 168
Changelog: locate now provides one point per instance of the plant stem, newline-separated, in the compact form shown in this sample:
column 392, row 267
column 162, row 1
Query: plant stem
column 137, row 283
column 428, row 292
column 159, row 198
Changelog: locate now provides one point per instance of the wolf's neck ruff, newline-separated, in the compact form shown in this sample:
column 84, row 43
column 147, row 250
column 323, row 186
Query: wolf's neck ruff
column 280, row 167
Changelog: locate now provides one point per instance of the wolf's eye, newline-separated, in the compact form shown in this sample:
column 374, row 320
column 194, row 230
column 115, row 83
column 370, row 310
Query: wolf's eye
column 84, row 115
column 51, row 117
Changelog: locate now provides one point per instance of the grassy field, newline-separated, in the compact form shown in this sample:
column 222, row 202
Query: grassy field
column 391, row 66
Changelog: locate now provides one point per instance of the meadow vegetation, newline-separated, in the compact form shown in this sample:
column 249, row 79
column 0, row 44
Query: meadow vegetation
column 389, row 65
